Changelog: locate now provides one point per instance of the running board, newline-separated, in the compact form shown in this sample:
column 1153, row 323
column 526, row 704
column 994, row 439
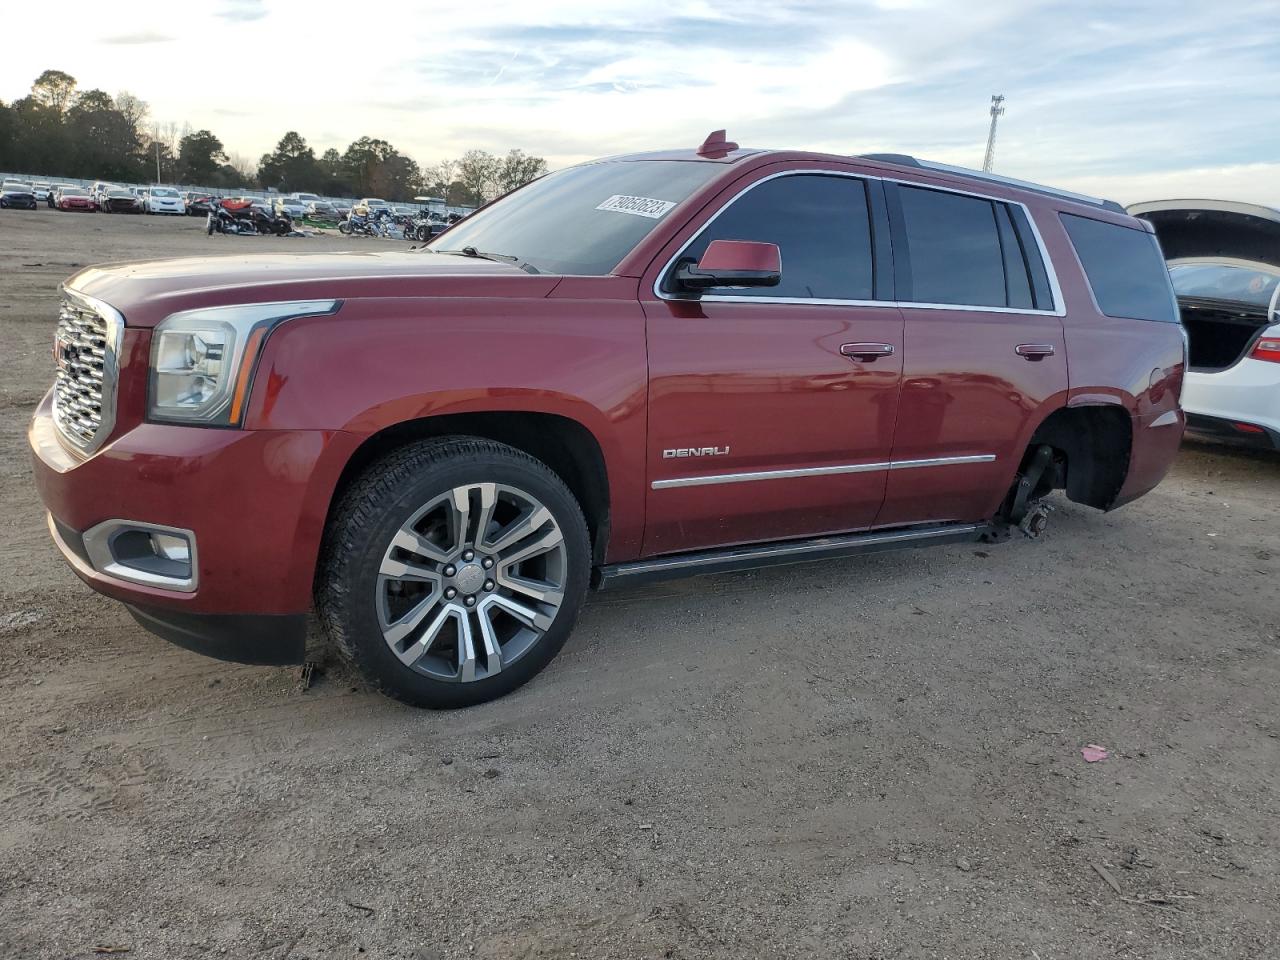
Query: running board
column 791, row 551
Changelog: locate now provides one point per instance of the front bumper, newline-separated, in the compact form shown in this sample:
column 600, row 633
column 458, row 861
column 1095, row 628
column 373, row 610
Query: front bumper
column 255, row 502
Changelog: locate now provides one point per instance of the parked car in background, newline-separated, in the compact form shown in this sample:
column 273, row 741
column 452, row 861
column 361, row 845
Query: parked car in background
column 18, row 195
column 322, row 210
column 43, row 192
column 1224, row 260
column 119, row 200
column 56, row 189
column 373, row 204
column 292, row 206
column 164, row 200
column 74, row 198
column 98, row 190
column 306, row 198
column 343, row 207
column 709, row 360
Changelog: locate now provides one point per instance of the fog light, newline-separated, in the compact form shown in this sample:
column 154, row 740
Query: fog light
column 144, row 553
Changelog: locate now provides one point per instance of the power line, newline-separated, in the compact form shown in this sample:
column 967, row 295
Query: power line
column 997, row 108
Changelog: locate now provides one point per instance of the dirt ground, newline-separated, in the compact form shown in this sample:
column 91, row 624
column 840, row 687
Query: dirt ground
column 878, row 758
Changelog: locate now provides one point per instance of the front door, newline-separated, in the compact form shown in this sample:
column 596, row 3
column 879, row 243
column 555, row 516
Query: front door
column 772, row 410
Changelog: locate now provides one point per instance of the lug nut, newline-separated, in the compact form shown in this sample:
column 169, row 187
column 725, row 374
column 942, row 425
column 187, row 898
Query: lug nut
column 470, row 601
column 450, row 593
column 487, row 562
column 488, row 584
column 449, row 571
column 468, row 555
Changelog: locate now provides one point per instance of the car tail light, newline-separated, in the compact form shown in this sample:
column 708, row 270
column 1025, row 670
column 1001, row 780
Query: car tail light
column 1247, row 427
column 1268, row 348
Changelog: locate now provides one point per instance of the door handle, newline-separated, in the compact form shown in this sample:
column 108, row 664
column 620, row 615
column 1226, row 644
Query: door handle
column 1034, row 351
column 866, row 352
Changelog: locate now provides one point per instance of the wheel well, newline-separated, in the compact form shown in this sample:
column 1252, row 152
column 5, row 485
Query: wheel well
column 1092, row 446
column 564, row 445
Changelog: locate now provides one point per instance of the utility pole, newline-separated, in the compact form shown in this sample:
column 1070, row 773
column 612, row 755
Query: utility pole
column 158, row 160
column 997, row 108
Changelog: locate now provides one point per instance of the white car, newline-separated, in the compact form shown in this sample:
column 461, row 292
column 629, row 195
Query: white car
column 1224, row 260
column 293, row 206
column 164, row 200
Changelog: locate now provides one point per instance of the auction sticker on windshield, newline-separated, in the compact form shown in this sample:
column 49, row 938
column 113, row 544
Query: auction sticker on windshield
column 638, row 206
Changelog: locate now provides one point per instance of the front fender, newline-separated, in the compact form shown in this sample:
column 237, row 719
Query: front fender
column 379, row 362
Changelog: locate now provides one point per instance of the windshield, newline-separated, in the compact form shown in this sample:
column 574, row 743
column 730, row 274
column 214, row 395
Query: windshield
column 582, row 220
column 1220, row 281
column 73, row 192
column 163, row 192
column 14, row 185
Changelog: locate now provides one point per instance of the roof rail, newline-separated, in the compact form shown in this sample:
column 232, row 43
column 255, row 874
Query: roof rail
column 903, row 160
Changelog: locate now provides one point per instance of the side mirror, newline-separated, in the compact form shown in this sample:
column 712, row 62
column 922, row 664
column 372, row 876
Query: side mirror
column 733, row 263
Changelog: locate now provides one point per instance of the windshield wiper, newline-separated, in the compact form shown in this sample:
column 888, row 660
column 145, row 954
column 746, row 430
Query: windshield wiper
column 495, row 257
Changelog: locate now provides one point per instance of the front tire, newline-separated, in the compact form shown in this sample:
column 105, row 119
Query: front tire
column 453, row 571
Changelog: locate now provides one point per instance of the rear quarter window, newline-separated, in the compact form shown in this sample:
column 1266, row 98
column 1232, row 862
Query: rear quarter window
column 1125, row 269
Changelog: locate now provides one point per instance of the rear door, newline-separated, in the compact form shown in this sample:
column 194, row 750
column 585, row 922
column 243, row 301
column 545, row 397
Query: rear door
column 985, row 357
column 764, row 423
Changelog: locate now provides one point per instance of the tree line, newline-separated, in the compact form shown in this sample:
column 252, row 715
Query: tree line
column 61, row 131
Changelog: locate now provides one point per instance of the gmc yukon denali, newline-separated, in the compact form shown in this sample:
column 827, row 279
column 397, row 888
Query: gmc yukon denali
column 675, row 362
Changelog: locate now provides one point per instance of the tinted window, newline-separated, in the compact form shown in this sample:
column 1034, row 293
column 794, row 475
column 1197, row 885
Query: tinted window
column 1017, row 281
column 954, row 246
column 1041, row 292
column 1125, row 269
column 820, row 224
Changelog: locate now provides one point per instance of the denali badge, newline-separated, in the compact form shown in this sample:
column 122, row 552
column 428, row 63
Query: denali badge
column 695, row 452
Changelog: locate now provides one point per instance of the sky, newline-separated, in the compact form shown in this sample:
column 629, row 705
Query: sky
column 1131, row 100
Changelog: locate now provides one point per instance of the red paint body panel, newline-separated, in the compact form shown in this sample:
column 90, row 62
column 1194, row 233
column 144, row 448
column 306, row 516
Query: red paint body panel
column 387, row 361
column 965, row 392
column 763, row 387
column 766, row 383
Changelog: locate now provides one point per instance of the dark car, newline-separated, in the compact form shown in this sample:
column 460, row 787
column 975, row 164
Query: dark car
column 199, row 204
column 21, row 196
column 119, row 201
column 708, row 360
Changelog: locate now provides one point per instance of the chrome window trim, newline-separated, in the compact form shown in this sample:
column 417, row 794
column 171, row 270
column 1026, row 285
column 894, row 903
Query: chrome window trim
column 1055, row 288
column 753, row 475
column 114, row 320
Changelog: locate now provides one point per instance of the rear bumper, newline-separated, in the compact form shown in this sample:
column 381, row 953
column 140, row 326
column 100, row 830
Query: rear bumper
column 1233, row 431
column 1247, row 393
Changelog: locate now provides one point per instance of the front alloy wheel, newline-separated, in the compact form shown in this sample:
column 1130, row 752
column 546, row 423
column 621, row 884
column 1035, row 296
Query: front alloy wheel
column 471, row 582
column 453, row 570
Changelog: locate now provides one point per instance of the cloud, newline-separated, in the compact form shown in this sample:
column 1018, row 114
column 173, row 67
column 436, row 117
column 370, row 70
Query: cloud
column 1143, row 95
column 142, row 36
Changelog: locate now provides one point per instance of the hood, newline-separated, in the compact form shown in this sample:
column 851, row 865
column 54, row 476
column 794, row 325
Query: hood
column 1214, row 228
column 146, row 292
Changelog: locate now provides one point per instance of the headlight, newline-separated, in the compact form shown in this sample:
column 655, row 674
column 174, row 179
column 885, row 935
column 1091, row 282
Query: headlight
column 202, row 361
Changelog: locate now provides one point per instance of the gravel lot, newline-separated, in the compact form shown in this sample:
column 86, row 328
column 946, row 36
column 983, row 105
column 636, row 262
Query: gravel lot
column 878, row 758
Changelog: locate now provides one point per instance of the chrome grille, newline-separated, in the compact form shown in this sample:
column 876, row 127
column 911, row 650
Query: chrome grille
column 84, row 389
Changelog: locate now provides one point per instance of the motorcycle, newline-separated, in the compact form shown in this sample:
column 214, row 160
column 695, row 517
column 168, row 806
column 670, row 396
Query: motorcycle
column 221, row 220
column 356, row 225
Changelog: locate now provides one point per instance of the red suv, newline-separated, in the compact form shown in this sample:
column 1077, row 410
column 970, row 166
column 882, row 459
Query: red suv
column 650, row 365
